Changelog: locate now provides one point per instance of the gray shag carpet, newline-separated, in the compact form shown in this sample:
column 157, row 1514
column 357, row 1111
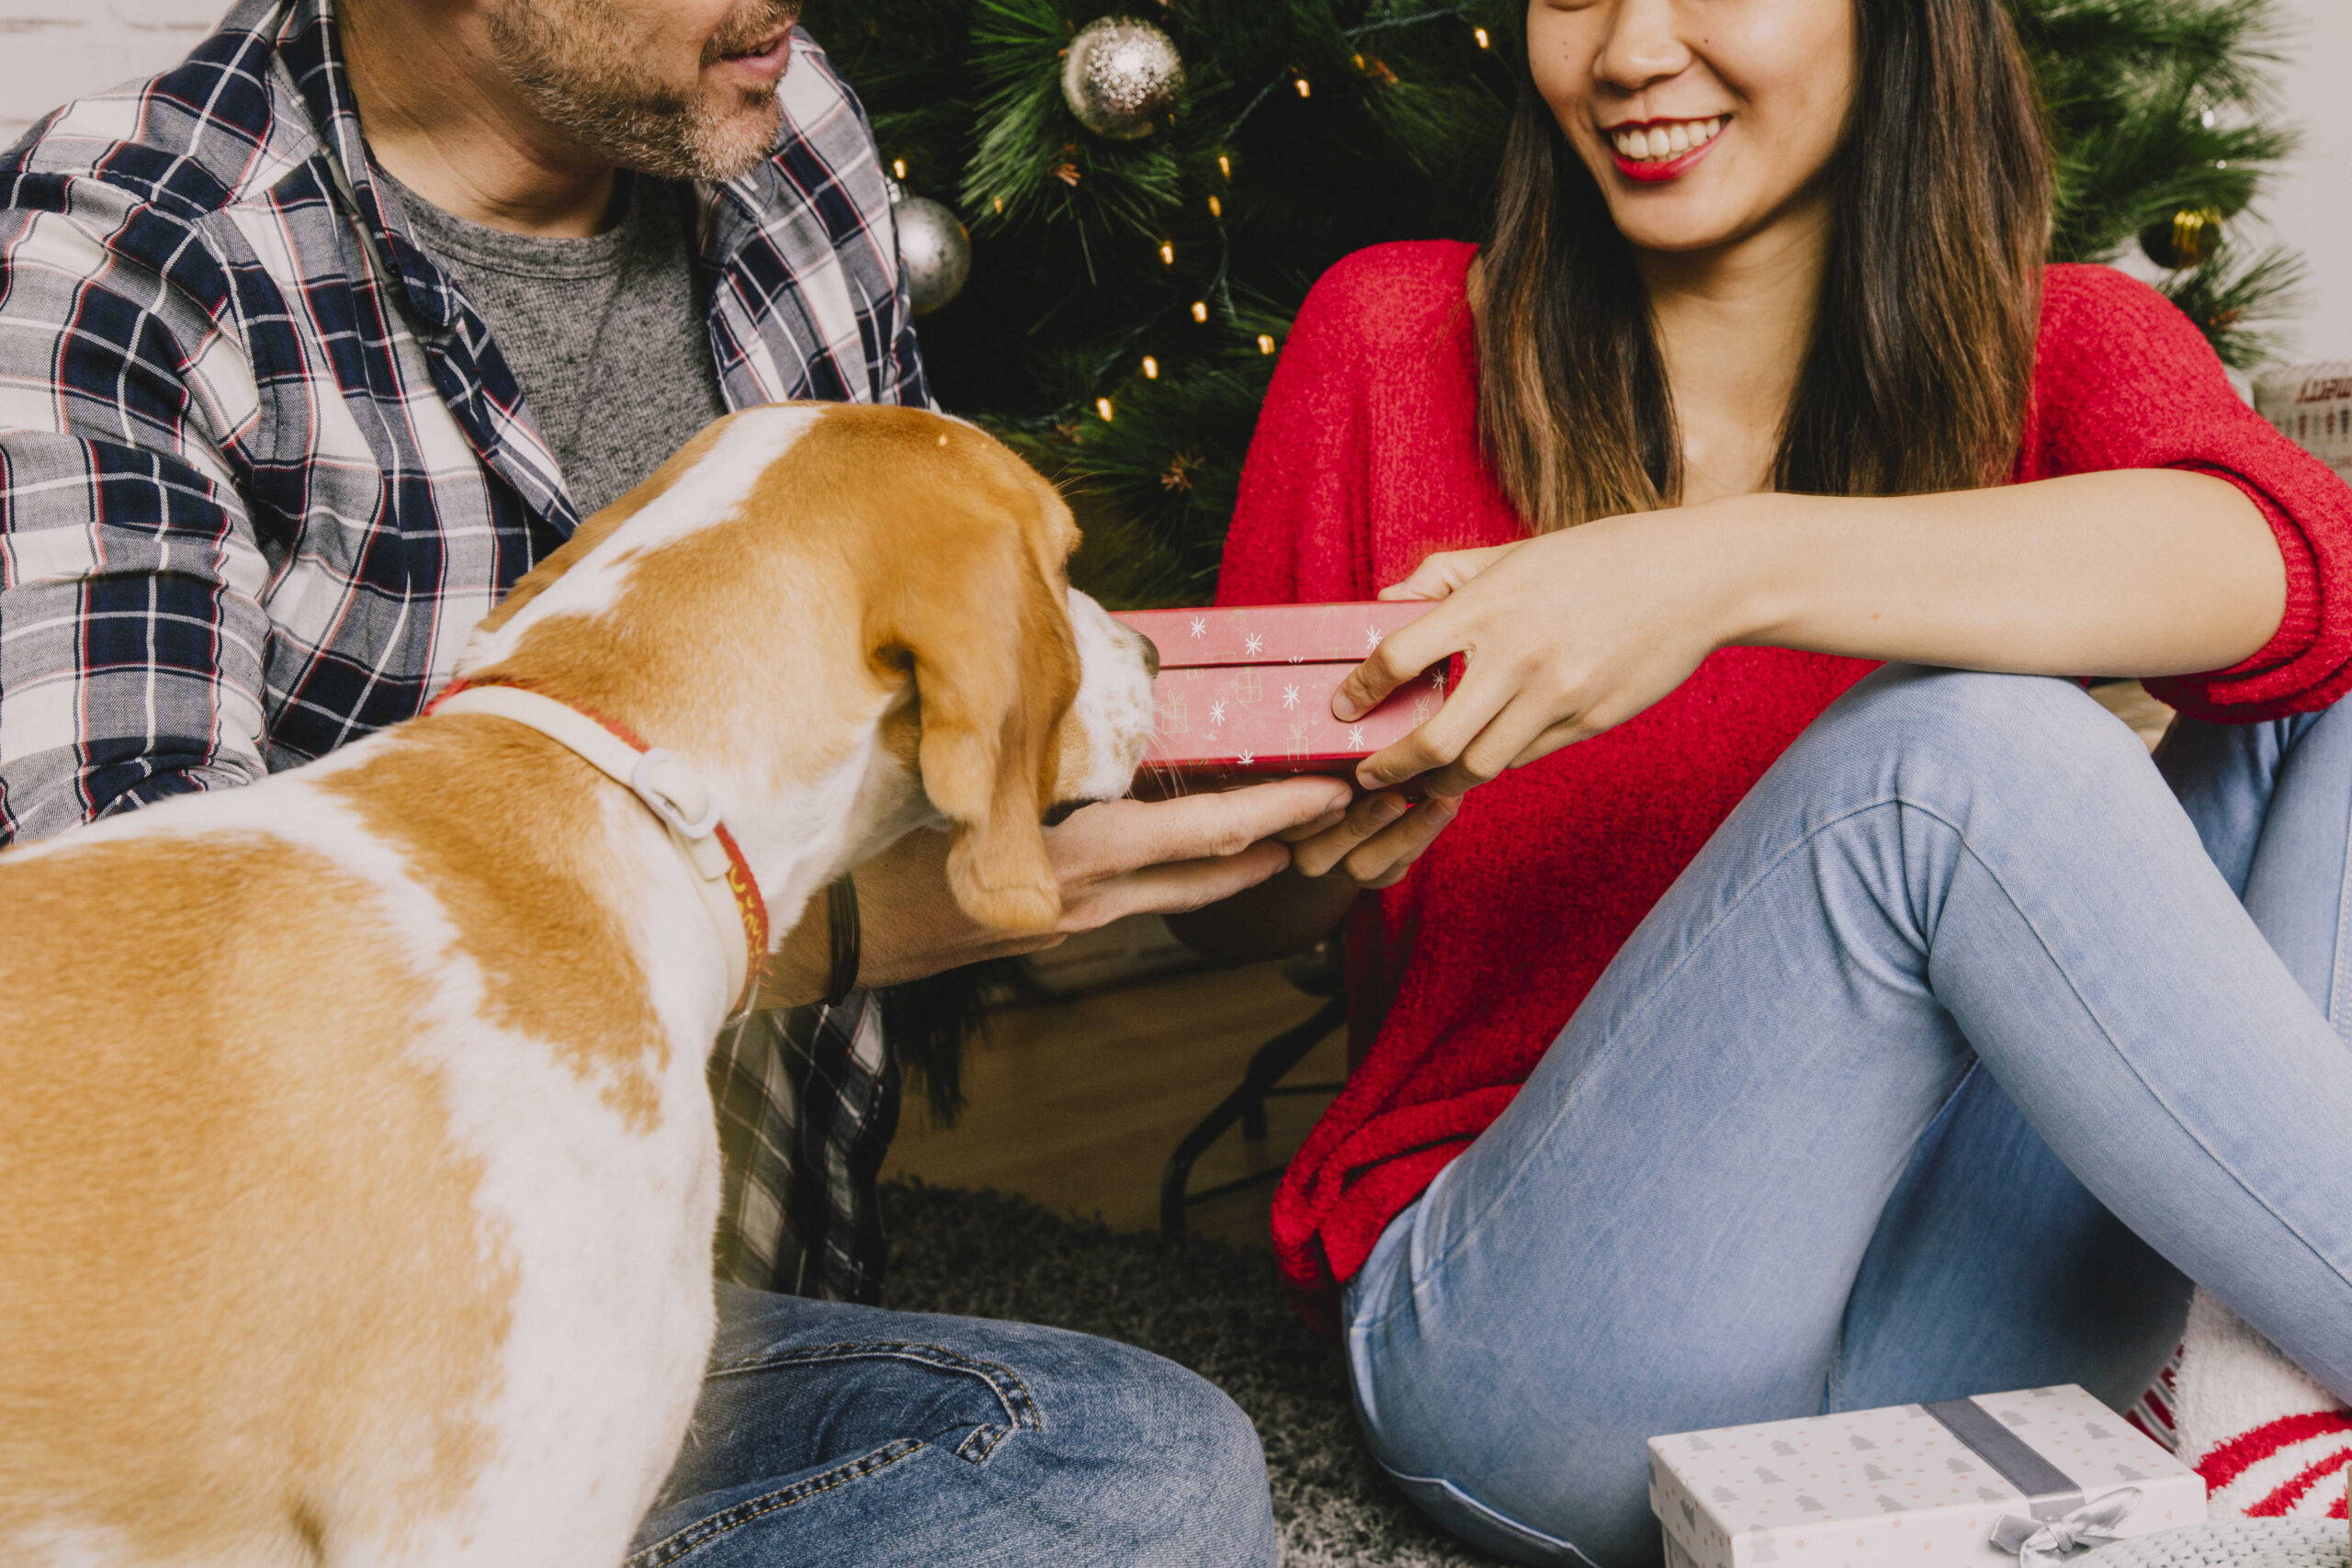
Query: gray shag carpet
column 1200, row 1303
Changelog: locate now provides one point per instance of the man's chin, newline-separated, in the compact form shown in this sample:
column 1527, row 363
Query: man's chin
column 731, row 148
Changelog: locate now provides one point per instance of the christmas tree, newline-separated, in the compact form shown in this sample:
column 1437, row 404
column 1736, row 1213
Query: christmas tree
column 1150, row 190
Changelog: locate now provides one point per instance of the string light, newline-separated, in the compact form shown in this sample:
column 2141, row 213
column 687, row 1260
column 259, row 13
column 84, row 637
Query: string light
column 1102, row 407
column 1225, row 167
column 898, row 167
column 1200, row 310
column 1480, row 34
column 1168, row 253
column 1301, row 86
column 1216, row 208
column 1265, row 345
column 1150, row 369
column 1000, row 205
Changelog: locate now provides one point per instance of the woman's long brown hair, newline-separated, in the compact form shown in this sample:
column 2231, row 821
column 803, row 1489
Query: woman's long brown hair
column 1922, row 346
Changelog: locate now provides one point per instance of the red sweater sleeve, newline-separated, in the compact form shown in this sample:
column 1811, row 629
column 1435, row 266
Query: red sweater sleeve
column 2124, row 380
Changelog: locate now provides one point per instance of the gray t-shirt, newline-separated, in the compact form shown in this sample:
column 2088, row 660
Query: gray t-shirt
column 603, row 333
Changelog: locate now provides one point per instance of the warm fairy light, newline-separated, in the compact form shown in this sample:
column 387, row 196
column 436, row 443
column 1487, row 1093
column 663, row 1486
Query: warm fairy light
column 1200, row 310
column 898, row 167
column 1265, row 344
column 1000, row 204
column 1480, row 34
column 1359, row 62
column 1150, row 369
column 1301, row 85
column 1168, row 253
column 1225, row 166
column 1102, row 407
column 1216, row 208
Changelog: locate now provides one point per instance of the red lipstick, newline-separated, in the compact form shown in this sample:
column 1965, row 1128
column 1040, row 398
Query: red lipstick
column 1654, row 171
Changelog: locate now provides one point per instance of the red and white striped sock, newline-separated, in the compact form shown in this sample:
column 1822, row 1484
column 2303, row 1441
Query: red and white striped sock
column 2269, row 1442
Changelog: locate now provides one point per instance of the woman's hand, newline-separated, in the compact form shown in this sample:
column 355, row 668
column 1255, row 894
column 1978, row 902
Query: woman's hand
column 1563, row 636
column 1371, row 843
column 1120, row 857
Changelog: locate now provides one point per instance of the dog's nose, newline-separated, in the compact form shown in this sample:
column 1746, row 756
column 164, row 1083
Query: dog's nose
column 1151, row 655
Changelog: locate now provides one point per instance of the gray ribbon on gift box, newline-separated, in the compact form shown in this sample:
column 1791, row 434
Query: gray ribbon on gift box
column 2062, row 1523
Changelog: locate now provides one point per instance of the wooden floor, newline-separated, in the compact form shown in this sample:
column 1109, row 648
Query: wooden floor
column 1077, row 1104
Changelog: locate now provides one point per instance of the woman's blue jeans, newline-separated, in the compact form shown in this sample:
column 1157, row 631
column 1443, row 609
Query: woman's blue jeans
column 831, row 1436
column 1968, row 1039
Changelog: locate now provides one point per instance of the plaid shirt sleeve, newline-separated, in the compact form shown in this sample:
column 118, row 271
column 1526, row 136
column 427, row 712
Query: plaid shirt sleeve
column 131, row 631
column 808, row 1099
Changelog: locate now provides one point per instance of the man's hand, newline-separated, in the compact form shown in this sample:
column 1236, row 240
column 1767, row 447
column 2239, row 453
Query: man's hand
column 1120, row 857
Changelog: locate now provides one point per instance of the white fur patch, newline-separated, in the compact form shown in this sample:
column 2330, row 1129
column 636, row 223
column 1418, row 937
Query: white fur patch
column 709, row 493
column 1113, row 708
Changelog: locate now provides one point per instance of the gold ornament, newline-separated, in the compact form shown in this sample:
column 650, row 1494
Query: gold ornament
column 1122, row 77
column 2189, row 239
column 933, row 249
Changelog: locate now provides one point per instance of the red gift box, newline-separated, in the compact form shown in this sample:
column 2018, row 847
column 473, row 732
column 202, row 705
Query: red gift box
column 1245, row 694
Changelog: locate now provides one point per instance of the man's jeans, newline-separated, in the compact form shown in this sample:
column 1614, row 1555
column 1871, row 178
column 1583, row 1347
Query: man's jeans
column 830, row 1435
column 1952, row 1052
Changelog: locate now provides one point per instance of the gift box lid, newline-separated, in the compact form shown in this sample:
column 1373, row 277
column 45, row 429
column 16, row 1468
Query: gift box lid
column 1271, row 634
column 1912, row 1483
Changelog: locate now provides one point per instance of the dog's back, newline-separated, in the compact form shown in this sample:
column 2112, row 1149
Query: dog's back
column 260, row 1266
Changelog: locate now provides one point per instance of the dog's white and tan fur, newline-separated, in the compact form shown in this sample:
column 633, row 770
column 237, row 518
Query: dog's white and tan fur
column 357, row 1175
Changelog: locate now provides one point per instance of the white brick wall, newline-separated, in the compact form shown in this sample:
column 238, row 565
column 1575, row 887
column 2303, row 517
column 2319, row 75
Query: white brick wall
column 53, row 50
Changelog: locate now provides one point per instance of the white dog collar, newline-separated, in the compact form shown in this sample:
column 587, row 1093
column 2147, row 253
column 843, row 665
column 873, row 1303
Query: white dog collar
column 669, row 788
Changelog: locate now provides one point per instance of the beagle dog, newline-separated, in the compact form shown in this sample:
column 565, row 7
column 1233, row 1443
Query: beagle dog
column 358, row 1173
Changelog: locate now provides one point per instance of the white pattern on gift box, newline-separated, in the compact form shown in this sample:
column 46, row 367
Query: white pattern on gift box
column 1861, row 1489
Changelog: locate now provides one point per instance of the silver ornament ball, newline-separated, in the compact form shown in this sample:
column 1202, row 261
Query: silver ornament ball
column 1122, row 77
column 934, row 250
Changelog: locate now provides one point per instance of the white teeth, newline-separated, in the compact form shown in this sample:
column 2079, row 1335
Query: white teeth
column 1646, row 144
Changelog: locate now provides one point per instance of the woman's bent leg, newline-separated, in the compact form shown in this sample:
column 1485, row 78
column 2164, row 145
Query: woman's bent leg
column 2076, row 1297
column 2080, row 1298
column 1663, row 1231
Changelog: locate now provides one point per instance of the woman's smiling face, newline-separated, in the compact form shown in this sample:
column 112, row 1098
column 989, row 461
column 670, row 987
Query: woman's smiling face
column 1703, row 120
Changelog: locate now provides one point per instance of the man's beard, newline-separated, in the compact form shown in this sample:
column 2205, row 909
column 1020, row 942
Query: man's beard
column 574, row 67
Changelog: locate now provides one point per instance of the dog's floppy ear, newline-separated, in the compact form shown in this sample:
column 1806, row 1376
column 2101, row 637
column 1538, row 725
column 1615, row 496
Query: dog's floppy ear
column 994, row 668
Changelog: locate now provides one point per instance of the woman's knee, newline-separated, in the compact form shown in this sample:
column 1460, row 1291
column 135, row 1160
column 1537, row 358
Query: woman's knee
column 1925, row 729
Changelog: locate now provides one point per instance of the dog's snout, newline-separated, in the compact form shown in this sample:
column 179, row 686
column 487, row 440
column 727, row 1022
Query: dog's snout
column 1151, row 655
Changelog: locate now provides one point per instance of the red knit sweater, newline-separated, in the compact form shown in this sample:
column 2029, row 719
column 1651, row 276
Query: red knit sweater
column 1366, row 460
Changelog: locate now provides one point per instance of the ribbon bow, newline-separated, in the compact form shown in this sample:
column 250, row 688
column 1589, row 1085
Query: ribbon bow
column 2040, row 1543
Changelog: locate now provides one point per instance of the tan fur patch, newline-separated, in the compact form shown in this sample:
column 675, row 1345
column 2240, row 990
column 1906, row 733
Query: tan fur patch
column 237, row 1242
column 501, row 825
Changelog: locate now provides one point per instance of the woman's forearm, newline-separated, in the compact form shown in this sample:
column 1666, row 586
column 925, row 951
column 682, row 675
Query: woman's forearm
column 2133, row 572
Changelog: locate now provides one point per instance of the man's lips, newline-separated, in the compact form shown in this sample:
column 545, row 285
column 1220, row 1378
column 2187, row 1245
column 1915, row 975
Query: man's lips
column 765, row 56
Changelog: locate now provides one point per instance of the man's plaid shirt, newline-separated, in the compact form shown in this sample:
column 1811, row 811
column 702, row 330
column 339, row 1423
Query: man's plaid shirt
column 262, row 470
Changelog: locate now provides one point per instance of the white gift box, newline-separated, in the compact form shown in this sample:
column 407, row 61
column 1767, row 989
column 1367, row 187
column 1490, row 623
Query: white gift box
column 1918, row 1484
